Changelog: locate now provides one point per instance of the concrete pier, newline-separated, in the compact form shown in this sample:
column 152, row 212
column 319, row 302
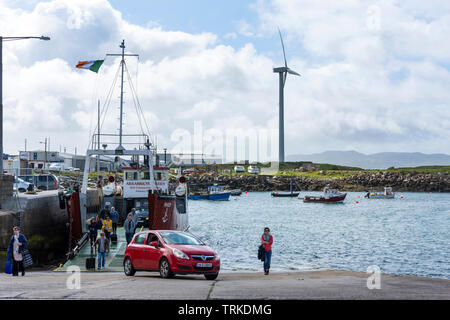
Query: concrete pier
column 147, row 285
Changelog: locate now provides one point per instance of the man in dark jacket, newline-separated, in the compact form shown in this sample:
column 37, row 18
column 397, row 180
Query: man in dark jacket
column 129, row 227
column 105, row 212
column 16, row 246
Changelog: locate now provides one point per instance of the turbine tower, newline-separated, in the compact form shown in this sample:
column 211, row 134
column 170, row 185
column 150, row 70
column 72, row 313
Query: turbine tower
column 282, row 72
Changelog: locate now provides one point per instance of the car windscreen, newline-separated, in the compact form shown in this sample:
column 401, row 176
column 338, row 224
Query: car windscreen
column 180, row 238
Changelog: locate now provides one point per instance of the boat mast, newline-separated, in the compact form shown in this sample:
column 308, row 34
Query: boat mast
column 122, row 62
column 122, row 55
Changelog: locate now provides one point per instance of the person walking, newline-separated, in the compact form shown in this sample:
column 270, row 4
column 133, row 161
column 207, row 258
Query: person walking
column 134, row 217
column 267, row 241
column 105, row 211
column 129, row 227
column 115, row 219
column 93, row 228
column 107, row 227
column 17, row 244
column 102, row 246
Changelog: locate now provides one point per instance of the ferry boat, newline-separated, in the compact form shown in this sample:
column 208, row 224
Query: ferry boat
column 145, row 184
column 387, row 194
column 329, row 196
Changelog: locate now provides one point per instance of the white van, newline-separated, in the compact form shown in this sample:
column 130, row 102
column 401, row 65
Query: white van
column 239, row 169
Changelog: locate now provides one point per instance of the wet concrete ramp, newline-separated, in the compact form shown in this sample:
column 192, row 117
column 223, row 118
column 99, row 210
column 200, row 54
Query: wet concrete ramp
column 114, row 259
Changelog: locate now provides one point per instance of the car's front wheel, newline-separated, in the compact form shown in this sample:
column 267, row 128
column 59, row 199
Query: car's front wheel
column 211, row 276
column 128, row 268
column 164, row 269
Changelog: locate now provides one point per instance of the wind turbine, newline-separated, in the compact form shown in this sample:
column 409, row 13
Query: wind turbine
column 282, row 71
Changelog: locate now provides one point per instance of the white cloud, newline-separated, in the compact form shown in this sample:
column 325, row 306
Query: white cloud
column 361, row 87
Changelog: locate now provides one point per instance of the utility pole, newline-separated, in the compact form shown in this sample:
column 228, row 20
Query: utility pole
column 1, row 89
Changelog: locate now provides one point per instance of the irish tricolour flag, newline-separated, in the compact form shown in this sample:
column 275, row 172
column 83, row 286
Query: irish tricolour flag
column 91, row 65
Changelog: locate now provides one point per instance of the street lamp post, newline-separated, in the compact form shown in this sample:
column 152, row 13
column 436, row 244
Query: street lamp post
column 1, row 88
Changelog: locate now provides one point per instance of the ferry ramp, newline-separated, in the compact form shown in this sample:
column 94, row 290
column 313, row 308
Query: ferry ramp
column 114, row 258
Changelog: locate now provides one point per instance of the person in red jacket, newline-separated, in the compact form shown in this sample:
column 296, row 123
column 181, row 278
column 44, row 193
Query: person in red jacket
column 267, row 240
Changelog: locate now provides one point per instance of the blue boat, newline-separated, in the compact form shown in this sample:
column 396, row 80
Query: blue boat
column 215, row 193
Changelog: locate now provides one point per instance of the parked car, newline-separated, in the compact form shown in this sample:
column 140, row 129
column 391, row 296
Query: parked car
column 42, row 181
column 170, row 252
column 253, row 169
column 20, row 185
column 55, row 167
column 239, row 169
column 141, row 218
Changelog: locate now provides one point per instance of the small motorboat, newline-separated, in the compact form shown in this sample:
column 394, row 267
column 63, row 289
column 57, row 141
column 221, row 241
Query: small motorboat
column 277, row 194
column 387, row 194
column 329, row 196
column 290, row 194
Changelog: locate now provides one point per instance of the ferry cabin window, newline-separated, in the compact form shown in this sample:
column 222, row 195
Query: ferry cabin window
column 160, row 176
column 140, row 239
column 131, row 175
column 144, row 175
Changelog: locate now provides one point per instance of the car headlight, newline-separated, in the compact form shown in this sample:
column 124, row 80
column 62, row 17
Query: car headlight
column 217, row 257
column 180, row 254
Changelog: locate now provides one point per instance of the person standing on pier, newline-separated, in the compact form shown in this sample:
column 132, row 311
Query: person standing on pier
column 129, row 227
column 107, row 227
column 17, row 244
column 114, row 218
column 102, row 246
column 267, row 241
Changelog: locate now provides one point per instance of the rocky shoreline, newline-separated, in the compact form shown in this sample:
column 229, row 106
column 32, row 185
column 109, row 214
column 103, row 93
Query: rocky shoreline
column 367, row 181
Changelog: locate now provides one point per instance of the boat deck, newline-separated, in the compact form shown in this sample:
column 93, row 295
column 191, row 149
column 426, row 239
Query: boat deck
column 114, row 259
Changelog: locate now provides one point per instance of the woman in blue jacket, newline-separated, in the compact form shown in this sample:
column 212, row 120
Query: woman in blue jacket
column 16, row 246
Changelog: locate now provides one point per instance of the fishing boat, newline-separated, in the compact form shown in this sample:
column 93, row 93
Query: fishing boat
column 387, row 194
column 290, row 194
column 215, row 193
column 329, row 196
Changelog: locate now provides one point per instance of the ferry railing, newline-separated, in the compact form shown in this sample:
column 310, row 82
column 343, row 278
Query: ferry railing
column 79, row 245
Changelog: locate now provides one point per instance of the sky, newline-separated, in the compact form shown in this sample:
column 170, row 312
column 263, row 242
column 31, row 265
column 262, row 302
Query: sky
column 375, row 75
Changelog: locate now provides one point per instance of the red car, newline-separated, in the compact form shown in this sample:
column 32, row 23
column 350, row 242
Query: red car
column 171, row 252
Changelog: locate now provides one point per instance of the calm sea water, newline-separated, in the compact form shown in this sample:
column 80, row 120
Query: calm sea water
column 408, row 236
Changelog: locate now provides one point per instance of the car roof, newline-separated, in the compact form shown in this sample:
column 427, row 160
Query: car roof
column 147, row 231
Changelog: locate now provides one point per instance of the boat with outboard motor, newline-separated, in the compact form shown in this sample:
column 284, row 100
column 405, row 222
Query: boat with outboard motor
column 290, row 194
column 387, row 194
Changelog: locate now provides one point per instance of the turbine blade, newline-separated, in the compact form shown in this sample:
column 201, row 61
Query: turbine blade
column 282, row 44
column 293, row 72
